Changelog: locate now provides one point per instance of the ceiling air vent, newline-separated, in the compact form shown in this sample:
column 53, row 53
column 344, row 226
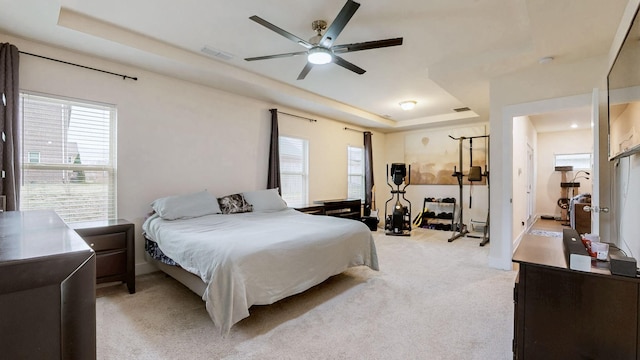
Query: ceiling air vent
column 461, row 109
column 217, row 53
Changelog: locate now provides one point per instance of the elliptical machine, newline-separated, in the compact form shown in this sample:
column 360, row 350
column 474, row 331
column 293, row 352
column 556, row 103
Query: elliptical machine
column 399, row 222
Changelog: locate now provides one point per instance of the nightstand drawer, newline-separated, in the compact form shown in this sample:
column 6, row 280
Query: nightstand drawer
column 111, row 263
column 105, row 242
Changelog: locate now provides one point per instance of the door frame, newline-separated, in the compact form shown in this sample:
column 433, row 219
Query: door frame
column 500, row 256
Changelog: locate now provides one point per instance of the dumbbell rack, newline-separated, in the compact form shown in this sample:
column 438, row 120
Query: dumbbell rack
column 435, row 219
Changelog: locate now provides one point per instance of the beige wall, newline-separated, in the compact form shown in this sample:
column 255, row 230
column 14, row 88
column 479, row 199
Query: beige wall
column 395, row 152
column 524, row 136
column 176, row 137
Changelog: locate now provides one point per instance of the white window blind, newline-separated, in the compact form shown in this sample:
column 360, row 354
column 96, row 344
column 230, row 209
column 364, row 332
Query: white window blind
column 578, row 161
column 294, row 157
column 76, row 171
column 355, row 172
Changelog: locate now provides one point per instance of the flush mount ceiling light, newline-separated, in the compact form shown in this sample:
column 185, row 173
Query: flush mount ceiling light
column 319, row 55
column 408, row 105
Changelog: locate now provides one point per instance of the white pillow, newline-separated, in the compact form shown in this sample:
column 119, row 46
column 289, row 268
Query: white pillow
column 186, row 206
column 265, row 200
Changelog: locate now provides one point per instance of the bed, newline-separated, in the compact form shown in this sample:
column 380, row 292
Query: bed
column 253, row 256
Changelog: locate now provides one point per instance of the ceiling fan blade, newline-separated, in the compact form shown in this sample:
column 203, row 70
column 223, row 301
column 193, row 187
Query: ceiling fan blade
column 347, row 65
column 276, row 56
column 284, row 33
column 339, row 23
column 341, row 49
column 305, row 71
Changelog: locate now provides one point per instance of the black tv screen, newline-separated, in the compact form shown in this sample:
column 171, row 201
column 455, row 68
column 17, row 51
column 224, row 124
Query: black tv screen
column 623, row 84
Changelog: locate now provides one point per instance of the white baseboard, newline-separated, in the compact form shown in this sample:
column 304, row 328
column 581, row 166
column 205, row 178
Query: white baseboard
column 145, row 268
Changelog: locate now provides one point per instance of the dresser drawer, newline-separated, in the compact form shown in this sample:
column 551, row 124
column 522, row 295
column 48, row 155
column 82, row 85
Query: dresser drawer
column 105, row 242
column 111, row 263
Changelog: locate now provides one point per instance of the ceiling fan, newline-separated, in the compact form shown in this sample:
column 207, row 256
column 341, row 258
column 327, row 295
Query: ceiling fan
column 320, row 48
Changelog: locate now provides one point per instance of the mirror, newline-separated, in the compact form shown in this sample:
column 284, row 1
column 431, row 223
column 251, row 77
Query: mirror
column 624, row 96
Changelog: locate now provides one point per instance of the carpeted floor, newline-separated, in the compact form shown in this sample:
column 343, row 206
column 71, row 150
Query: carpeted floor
column 430, row 300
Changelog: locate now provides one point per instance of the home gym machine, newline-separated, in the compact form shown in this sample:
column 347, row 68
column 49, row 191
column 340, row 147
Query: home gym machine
column 475, row 174
column 399, row 222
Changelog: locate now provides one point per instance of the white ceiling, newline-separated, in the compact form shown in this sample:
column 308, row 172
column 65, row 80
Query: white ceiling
column 450, row 52
column 565, row 120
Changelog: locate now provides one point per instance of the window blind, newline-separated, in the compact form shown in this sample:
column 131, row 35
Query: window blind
column 355, row 172
column 294, row 170
column 74, row 172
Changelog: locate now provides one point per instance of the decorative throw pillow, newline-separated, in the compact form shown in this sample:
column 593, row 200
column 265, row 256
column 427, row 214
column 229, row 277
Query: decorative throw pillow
column 186, row 206
column 265, row 200
column 233, row 204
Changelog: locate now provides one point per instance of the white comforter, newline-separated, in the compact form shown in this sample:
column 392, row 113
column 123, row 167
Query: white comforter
column 259, row 258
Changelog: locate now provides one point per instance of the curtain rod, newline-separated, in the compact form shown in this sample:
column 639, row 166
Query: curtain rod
column 347, row 128
column 124, row 77
column 298, row 116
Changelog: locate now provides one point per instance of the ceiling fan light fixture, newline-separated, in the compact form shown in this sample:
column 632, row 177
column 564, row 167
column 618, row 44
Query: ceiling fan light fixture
column 318, row 55
column 408, row 105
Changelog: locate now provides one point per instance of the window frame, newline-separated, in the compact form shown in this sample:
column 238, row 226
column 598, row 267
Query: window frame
column 585, row 154
column 350, row 174
column 304, row 174
column 110, row 168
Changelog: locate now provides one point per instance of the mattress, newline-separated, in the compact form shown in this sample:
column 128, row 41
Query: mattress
column 258, row 258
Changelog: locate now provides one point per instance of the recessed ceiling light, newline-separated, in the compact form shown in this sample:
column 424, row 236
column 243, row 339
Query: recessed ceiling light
column 574, row 126
column 408, row 105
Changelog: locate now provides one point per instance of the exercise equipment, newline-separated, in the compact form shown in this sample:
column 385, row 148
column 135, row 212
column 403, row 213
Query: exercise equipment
column 563, row 201
column 475, row 174
column 399, row 222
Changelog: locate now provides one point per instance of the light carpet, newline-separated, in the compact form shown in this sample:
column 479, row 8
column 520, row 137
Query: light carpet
column 431, row 299
column 546, row 233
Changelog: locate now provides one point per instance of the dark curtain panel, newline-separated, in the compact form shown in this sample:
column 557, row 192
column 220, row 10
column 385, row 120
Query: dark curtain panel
column 273, row 178
column 368, row 173
column 10, row 154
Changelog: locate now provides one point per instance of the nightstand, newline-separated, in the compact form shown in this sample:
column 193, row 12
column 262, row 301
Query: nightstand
column 112, row 240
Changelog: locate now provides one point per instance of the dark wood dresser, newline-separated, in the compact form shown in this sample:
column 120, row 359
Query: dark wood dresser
column 568, row 314
column 344, row 208
column 47, row 289
column 113, row 242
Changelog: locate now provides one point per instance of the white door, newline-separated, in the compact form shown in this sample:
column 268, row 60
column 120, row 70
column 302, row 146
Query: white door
column 530, row 182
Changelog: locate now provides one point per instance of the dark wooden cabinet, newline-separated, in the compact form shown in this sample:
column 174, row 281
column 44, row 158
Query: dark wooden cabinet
column 568, row 314
column 47, row 289
column 311, row 209
column 344, row 208
column 113, row 242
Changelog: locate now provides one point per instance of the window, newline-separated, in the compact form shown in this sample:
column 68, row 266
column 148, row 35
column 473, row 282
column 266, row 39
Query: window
column 578, row 161
column 75, row 171
column 294, row 169
column 33, row 157
column 355, row 172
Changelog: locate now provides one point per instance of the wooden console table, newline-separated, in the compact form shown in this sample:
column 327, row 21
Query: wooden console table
column 344, row 208
column 568, row 314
